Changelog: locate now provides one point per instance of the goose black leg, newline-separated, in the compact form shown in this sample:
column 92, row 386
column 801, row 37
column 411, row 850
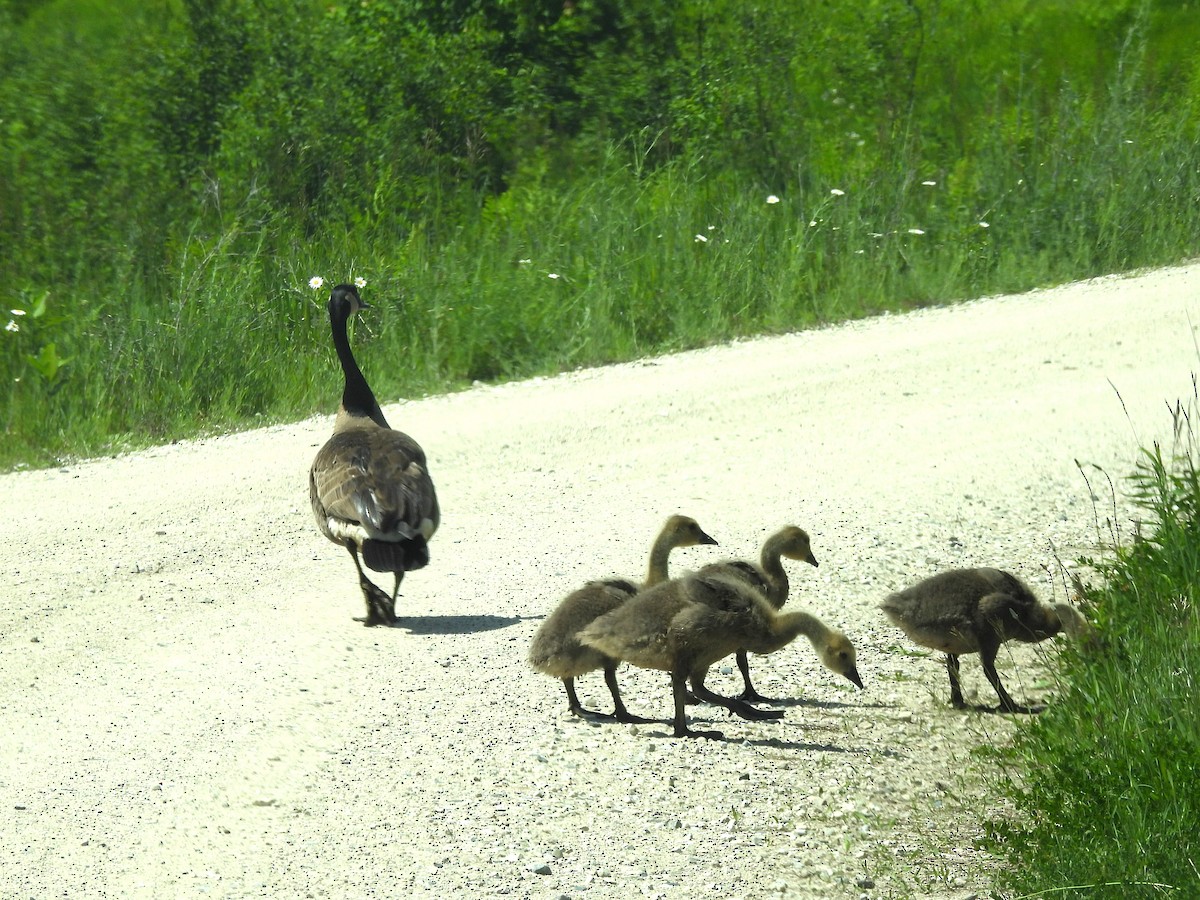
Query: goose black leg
column 380, row 608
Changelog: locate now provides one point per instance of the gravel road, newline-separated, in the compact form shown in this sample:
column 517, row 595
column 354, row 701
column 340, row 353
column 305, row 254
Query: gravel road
column 189, row 709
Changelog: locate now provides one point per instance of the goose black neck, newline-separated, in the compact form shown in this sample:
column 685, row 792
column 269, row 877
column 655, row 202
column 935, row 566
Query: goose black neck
column 357, row 397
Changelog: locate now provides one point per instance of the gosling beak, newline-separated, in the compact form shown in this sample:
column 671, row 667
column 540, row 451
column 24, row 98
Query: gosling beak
column 811, row 560
column 853, row 676
column 705, row 538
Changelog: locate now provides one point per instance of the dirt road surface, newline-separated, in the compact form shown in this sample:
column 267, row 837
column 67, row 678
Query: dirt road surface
column 190, row 710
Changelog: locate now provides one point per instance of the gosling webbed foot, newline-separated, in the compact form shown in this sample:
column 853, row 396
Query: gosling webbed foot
column 1018, row 709
column 750, row 695
column 694, row 733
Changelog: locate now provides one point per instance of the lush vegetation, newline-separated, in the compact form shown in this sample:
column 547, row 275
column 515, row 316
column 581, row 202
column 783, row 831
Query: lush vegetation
column 1105, row 781
column 531, row 185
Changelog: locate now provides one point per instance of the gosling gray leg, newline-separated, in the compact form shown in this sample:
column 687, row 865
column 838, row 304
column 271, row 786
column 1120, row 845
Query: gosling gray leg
column 1006, row 702
column 680, row 693
column 748, row 692
column 956, row 697
column 620, row 713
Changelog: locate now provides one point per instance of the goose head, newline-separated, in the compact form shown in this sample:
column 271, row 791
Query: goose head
column 344, row 302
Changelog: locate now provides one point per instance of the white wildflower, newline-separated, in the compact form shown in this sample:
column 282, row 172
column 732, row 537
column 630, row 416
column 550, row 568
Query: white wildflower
column 17, row 312
column 985, row 225
column 772, row 199
column 837, row 192
column 316, row 282
column 553, row 275
column 929, row 183
column 360, row 282
column 12, row 326
column 915, row 231
column 524, row 262
column 812, row 224
column 701, row 239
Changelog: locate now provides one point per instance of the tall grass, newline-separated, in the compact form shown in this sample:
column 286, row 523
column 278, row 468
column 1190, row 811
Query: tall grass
column 550, row 275
column 1105, row 783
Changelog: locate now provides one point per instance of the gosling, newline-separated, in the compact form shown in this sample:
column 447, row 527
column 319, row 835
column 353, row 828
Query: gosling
column 685, row 625
column 770, row 579
column 975, row 611
column 556, row 649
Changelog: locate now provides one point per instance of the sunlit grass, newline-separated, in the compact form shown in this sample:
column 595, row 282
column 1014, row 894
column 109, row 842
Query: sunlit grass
column 1105, row 781
column 550, row 276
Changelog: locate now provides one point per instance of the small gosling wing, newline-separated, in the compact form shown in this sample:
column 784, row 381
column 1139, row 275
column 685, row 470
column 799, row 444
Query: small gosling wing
column 556, row 648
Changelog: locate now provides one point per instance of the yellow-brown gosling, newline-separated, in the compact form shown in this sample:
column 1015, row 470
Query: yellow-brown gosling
column 369, row 485
column 685, row 625
column 556, row 649
column 769, row 578
column 975, row 611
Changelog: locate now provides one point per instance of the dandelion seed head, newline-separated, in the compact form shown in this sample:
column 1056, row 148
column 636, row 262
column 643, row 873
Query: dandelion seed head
column 915, row 231
column 701, row 239
column 837, row 192
column 316, row 282
column 772, row 199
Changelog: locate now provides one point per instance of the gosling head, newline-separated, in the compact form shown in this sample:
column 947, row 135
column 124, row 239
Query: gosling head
column 688, row 532
column 1074, row 625
column 837, row 655
column 793, row 543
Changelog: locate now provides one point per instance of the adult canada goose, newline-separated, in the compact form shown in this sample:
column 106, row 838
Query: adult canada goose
column 684, row 625
column 556, row 649
column 370, row 489
column 769, row 578
column 975, row 611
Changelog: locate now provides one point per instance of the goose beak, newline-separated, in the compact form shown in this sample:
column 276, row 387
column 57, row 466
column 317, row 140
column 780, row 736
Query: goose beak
column 853, row 676
column 811, row 560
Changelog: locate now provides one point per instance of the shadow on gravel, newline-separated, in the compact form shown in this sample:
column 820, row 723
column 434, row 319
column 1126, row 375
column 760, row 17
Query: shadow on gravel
column 457, row 624
column 827, row 704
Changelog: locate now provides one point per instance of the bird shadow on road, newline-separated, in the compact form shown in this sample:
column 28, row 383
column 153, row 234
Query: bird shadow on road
column 455, row 624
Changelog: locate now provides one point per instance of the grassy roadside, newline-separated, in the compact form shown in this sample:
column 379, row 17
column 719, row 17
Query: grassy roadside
column 1105, row 782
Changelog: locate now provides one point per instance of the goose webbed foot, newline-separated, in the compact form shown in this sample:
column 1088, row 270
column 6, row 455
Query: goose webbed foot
column 381, row 609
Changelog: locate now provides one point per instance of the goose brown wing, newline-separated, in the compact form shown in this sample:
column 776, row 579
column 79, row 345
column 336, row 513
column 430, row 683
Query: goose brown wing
column 375, row 477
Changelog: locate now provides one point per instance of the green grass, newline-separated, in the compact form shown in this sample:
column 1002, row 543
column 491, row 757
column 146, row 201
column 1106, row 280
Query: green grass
column 1105, row 782
column 548, row 277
